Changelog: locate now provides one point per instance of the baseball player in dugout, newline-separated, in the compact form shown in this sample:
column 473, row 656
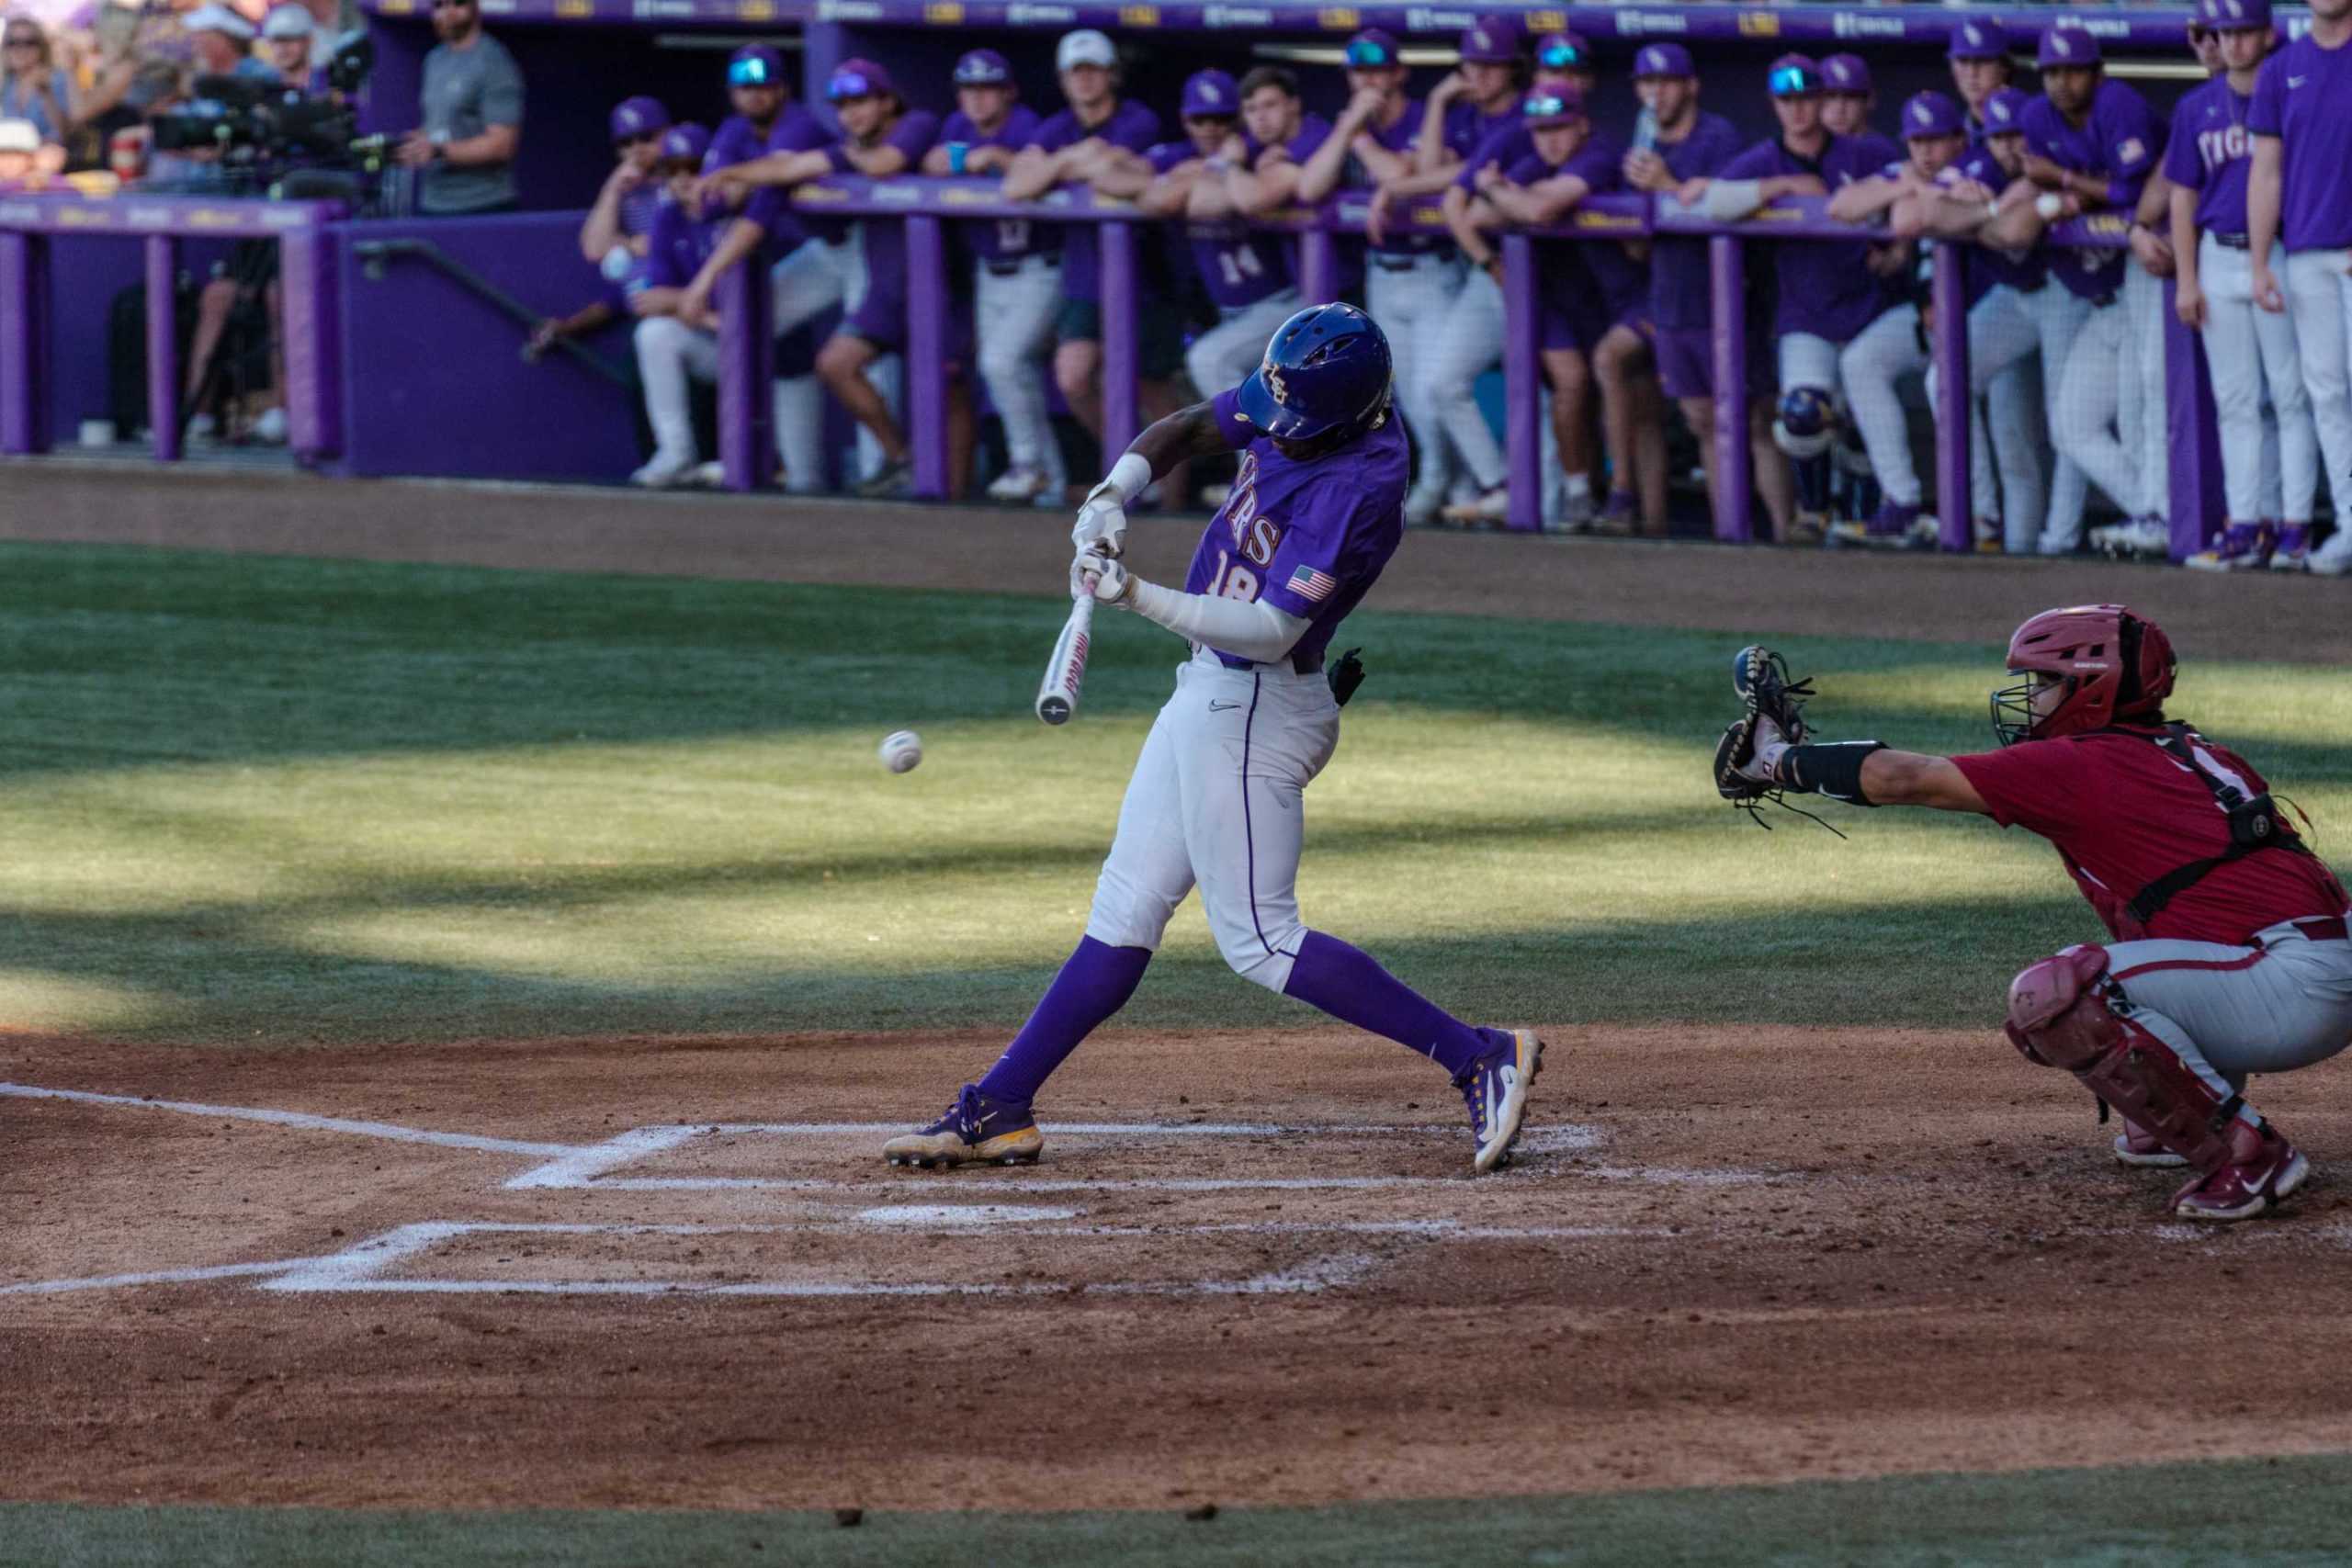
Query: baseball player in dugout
column 2228, row 954
column 1316, row 510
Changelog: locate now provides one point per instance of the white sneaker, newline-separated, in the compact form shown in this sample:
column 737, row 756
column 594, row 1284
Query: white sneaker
column 666, row 471
column 1575, row 514
column 1422, row 506
column 2333, row 558
column 269, row 429
column 711, row 476
column 1017, row 485
column 202, row 430
column 2054, row 544
column 1494, row 506
column 2140, row 536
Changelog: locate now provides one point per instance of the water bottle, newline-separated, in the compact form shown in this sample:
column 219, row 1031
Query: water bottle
column 1645, row 130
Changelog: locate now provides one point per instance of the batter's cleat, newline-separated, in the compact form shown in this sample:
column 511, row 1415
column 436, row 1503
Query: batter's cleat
column 2242, row 547
column 1495, row 1089
column 977, row 1130
column 2135, row 1145
column 2263, row 1170
column 2294, row 548
column 1018, row 487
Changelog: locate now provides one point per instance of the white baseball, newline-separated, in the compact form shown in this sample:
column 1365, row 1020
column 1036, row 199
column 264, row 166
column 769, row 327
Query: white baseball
column 2049, row 204
column 900, row 750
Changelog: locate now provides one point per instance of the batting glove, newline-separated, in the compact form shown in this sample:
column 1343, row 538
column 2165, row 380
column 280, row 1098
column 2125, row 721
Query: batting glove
column 1107, row 581
column 1101, row 522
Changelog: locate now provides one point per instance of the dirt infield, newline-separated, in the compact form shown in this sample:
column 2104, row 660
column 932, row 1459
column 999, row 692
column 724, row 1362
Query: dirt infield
column 673, row 1273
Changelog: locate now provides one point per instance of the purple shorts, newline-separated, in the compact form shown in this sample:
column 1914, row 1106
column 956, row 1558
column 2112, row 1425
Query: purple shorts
column 1686, row 361
column 881, row 320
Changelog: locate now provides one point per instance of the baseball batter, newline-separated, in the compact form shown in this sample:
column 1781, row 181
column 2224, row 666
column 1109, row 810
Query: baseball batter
column 1216, row 799
column 2228, row 951
column 2246, row 349
column 2297, row 195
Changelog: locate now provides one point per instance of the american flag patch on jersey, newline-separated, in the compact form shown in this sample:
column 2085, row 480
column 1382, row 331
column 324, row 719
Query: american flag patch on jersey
column 1311, row 585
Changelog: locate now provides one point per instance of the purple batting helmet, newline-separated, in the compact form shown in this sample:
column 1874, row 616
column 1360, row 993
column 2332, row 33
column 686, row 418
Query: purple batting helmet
column 856, row 78
column 633, row 117
column 1550, row 104
column 1374, row 48
column 1793, row 76
column 1981, row 38
column 1930, row 114
column 2234, row 16
column 1326, row 376
column 1491, row 41
column 1210, row 94
column 756, row 65
column 1846, row 73
column 686, row 144
column 1663, row 59
column 2005, row 112
column 984, row 68
column 2068, row 43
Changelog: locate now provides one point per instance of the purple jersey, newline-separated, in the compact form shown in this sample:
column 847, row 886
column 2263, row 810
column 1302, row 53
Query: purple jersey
column 795, row 130
column 1397, row 139
column 1309, row 538
column 676, row 246
column 1468, row 127
column 2211, row 153
column 1681, row 285
column 2291, row 101
column 2121, row 141
column 1594, row 282
column 1131, row 126
column 1002, row 238
column 885, row 242
column 736, row 141
column 639, row 203
column 1823, row 287
column 1987, row 269
column 1239, row 266
column 1502, row 147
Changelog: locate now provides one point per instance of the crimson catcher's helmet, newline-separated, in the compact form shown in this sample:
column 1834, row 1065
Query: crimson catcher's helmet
column 1324, row 379
column 2114, row 665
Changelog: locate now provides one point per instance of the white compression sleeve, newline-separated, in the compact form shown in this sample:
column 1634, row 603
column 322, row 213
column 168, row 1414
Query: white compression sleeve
column 1254, row 631
column 1727, row 199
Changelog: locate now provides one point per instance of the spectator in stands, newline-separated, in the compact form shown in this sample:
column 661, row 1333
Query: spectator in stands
column 472, row 110
column 32, row 85
column 224, row 41
column 1978, row 58
column 1685, row 145
column 677, row 342
column 1016, row 278
column 142, row 58
column 1100, row 140
column 27, row 161
column 1411, row 275
column 291, row 39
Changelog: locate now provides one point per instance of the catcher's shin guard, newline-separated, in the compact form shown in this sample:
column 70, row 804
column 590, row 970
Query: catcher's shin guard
column 2062, row 1014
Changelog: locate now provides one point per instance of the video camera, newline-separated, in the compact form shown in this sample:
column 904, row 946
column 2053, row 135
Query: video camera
column 250, row 121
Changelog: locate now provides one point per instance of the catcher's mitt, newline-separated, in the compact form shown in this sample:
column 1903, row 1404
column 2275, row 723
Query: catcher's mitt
column 1772, row 710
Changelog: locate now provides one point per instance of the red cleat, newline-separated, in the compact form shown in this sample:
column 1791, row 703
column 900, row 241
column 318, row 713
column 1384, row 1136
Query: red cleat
column 2136, row 1145
column 2262, row 1170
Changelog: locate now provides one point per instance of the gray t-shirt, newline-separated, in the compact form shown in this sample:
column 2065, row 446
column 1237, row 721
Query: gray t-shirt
column 466, row 92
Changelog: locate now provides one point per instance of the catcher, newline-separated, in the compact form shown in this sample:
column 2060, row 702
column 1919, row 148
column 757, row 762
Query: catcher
column 2230, row 955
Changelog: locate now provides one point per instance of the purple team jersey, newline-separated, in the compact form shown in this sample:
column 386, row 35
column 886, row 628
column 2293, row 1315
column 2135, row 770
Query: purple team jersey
column 1584, row 287
column 1680, row 285
column 736, row 141
column 1309, row 538
column 1131, row 126
column 1239, row 266
column 639, row 206
column 1397, row 139
column 2305, row 97
column 1824, row 288
column 1985, row 268
column 2119, row 139
column 1002, row 238
column 676, row 246
column 2211, row 153
column 795, row 130
column 885, row 242
column 1468, row 127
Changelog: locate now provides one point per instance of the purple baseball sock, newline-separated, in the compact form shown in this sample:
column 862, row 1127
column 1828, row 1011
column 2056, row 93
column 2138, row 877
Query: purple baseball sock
column 1095, row 982
column 1348, row 984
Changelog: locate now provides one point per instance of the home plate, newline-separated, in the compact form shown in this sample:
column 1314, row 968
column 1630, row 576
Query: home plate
column 960, row 1214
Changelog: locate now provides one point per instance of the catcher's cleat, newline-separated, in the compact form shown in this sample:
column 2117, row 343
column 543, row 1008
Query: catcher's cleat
column 976, row 1129
column 2135, row 1145
column 1495, row 1089
column 2262, row 1170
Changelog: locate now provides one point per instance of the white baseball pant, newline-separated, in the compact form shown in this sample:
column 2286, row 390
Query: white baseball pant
column 1223, row 358
column 2246, row 348
column 2143, row 414
column 2283, row 1003
column 1882, row 355
column 2319, row 298
column 1808, row 360
column 806, row 283
column 2001, row 340
column 1216, row 800
column 2059, row 314
column 1469, row 339
column 670, row 356
column 1409, row 296
column 1014, row 328
column 2090, row 407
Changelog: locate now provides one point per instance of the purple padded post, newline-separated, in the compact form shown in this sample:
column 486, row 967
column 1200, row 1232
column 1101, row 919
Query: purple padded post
column 746, row 397
column 24, row 333
column 2191, row 437
column 163, row 346
column 1523, row 385
column 313, row 383
column 1318, row 267
column 1955, row 514
column 1733, row 484
column 927, row 354
column 1121, row 302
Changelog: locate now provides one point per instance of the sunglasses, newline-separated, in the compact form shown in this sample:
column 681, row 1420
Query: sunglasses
column 1793, row 82
column 750, row 73
column 1549, row 107
column 847, row 85
column 1560, row 57
column 1365, row 53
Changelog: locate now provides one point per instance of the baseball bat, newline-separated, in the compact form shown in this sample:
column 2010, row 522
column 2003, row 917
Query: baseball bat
column 1066, row 671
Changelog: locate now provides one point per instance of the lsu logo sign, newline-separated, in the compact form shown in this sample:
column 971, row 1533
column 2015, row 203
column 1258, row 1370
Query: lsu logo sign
column 1139, row 15
column 1760, row 24
column 945, row 13
column 1339, row 18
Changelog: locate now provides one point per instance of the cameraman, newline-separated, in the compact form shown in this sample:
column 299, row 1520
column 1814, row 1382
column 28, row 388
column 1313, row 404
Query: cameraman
column 472, row 107
column 290, row 38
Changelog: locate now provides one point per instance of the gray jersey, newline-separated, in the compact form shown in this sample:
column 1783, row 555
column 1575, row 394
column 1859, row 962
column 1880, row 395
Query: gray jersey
column 466, row 92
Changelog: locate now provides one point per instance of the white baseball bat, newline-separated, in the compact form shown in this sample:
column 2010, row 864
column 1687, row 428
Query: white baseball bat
column 1066, row 671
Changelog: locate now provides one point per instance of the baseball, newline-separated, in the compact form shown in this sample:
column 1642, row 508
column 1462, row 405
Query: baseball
column 900, row 750
column 2049, row 204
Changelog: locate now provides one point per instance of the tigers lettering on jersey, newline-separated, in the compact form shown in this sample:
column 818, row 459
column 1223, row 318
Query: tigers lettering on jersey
column 2227, row 145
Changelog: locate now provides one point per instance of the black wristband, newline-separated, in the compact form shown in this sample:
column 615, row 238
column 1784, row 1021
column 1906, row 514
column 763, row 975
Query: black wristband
column 1833, row 768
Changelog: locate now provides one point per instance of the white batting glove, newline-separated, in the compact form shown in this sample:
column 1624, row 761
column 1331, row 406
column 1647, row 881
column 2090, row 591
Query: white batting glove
column 1095, row 575
column 1101, row 522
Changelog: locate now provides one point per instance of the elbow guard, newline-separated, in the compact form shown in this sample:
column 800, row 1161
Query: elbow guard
column 1833, row 768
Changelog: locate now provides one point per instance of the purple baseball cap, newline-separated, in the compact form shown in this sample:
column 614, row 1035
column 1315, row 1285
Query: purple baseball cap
column 686, row 144
column 1490, row 40
column 1562, row 51
column 855, row 78
column 1210, row 94
column 633, row 117
column 1374, row 48
column 756, row 65
column 1663, row 59
column 1846, row 73
column 1549, row 104
column 1981, row 38
column 1930, row 114
column 2068, row 44
column 983, row 68
column 1793, row 76
column 2004, row 111
column 2234, row 16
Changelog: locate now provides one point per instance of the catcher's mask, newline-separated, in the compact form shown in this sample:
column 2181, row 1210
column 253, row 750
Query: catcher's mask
column 2113, row 664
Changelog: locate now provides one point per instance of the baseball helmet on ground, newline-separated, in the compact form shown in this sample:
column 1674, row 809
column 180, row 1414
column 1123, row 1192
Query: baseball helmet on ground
column 1325, row 377
column 2115, row 664
column 1807, row 421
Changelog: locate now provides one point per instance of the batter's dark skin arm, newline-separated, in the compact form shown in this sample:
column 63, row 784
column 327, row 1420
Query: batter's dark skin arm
column 1908, row 778
column 1182, row 435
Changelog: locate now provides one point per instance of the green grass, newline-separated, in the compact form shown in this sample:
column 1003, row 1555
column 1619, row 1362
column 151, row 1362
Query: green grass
column 2275, row 1511
column 251, row 798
